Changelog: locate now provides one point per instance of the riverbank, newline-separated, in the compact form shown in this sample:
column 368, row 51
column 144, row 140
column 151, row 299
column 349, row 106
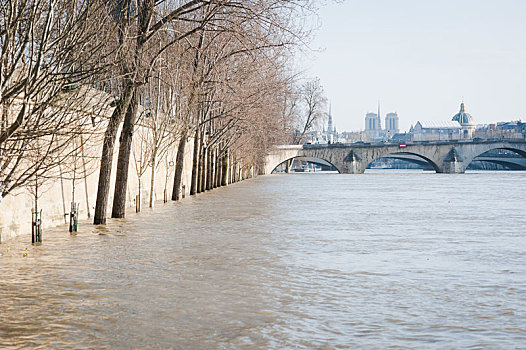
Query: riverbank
column 56, row 194
column 20, row 244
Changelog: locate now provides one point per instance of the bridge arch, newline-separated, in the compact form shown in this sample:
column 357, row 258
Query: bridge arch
column 309, row 159
column 411, row 157
column 521, row 151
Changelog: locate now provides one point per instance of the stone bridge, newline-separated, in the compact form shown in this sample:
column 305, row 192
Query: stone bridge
column 442, row 156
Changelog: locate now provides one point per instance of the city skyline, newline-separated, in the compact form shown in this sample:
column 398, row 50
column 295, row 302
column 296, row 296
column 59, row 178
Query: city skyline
column 421, row 60
column 383, row 115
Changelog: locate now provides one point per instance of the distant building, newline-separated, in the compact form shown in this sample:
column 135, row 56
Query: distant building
column 332, row 135
column 330, row 127
column 314, row 137
column 352, row 136
column 466, row 121
column 506, row 130
column 432, row 131
column 461, row 126
column 401, row 137
column 373, row 126
column 391, row 125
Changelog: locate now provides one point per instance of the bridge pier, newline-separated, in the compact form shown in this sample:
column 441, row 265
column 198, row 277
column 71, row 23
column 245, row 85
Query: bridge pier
column 352, row 164
column 351, row 168
column 452, row 168
column 453, row 163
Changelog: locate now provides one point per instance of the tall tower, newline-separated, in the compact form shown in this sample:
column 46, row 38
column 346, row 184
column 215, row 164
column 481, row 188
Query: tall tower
column 391, row 124
column 379, row 124
column 330, row 127
column 371, row 125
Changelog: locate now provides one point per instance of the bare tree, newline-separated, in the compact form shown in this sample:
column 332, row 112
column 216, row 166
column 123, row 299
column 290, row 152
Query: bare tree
column 159, row 126
column 227, row 56
column 313, row 107
column 139, row 23
column 140, row 27
column 48, row 49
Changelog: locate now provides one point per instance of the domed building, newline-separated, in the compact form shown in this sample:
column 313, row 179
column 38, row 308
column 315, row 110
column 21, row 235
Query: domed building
column 466, row 121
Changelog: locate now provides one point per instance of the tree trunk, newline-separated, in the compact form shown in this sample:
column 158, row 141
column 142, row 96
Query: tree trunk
column 288, row 165
column 206, row 154
column 152, row 180
column 138, row 200
column 219, row 169
column 212, row 171
column 224, row 177
column 121, row 182
column 232, row 172
column 209, row 169
column 195, row 163
column 106, row 159
column 200, row 168
column 179, row 165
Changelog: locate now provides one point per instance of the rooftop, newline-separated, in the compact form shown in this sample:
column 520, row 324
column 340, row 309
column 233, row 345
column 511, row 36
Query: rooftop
column 440, row 124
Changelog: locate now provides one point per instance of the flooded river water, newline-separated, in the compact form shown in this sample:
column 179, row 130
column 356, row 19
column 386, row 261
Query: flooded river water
column 305, row 261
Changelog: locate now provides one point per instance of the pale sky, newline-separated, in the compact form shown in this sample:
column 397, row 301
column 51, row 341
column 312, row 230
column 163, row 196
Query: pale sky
column 420, row 58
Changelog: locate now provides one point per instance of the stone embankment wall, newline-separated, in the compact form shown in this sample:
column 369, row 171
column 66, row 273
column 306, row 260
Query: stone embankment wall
column 15, row 209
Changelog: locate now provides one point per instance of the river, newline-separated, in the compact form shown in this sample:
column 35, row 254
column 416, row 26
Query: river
column 301, row 261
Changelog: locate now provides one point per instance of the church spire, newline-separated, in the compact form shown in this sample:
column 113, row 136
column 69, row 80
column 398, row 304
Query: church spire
column 329, row 126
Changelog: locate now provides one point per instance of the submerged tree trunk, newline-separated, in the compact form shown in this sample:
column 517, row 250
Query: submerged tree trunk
column 179, row 166
column 201, row 168
column 225, row 165
column 219, row 168
column 213, row 170
column 288, row 165
column 195, row 163
column 232, row 169
column 209, row 169
column 121, row 182
column 152, row 180
column 138, row 197
column 204, row 157
column 106, row 159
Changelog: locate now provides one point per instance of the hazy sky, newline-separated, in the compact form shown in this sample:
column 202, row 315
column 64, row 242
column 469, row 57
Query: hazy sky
column 420, row 58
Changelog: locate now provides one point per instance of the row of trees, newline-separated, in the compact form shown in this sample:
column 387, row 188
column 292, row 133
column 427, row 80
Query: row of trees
column 163, row 72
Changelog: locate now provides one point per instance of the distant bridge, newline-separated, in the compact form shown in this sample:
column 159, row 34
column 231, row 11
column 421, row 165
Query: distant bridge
column 442, row 156
column 510, row 161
